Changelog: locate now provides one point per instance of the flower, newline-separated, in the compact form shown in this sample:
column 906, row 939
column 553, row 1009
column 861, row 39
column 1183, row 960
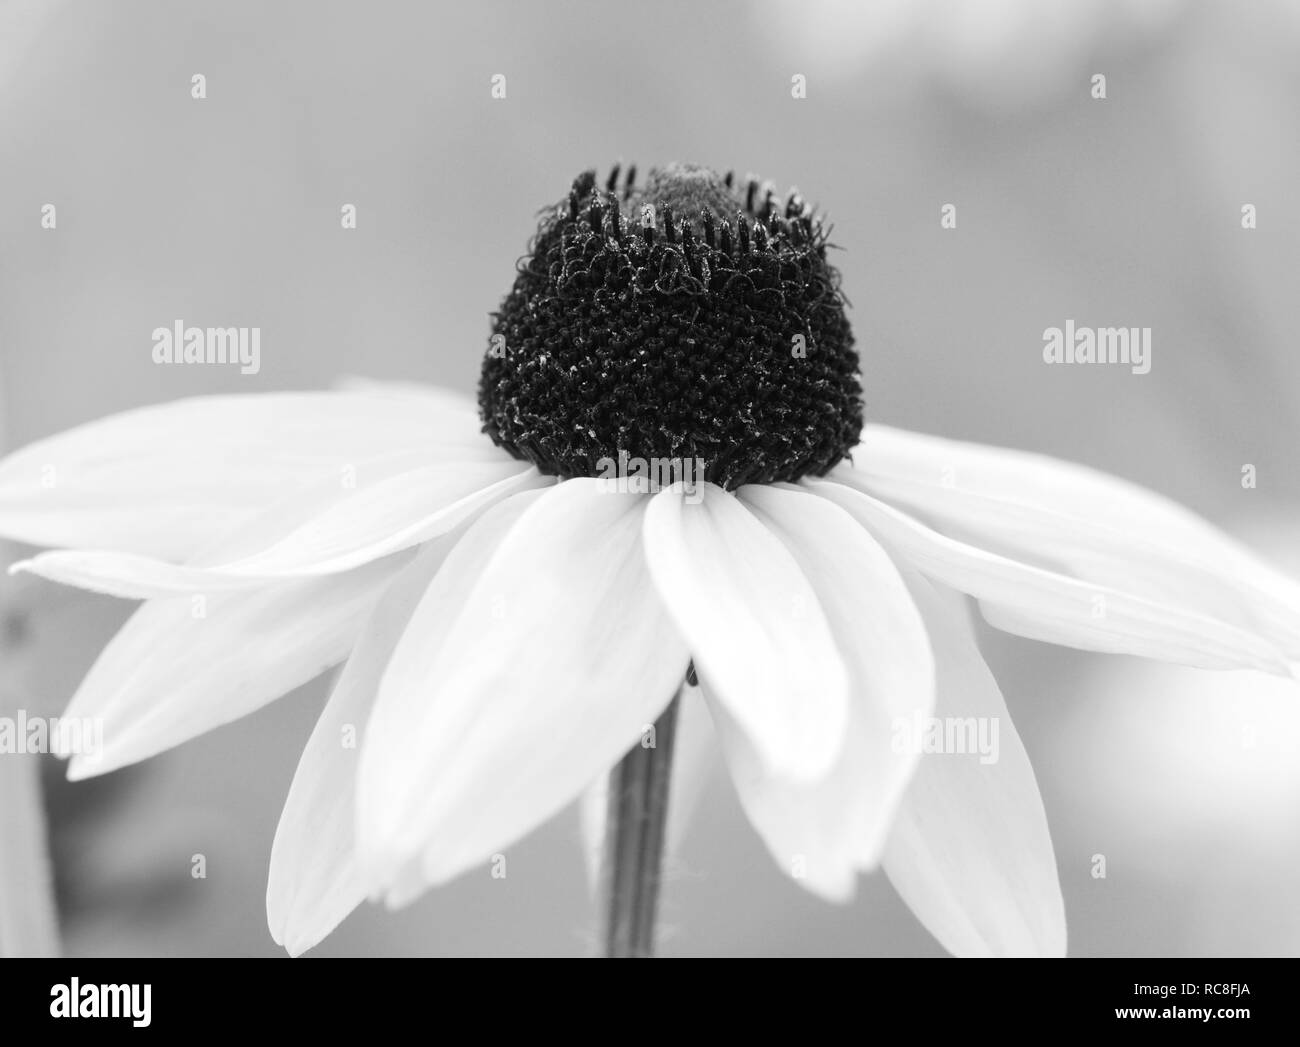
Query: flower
column 509, row 619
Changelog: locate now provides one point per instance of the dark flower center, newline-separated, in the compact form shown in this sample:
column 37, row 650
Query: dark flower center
column 689, row 318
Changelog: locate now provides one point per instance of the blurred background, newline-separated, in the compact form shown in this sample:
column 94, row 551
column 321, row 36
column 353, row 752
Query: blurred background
column 1121, row 211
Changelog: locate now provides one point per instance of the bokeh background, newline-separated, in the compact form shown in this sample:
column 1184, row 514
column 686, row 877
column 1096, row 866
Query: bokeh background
column 1125, row 211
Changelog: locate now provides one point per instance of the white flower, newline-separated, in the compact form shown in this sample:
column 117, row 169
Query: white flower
column 507, row 637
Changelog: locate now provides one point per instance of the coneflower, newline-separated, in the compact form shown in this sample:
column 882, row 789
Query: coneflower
column 515, row 628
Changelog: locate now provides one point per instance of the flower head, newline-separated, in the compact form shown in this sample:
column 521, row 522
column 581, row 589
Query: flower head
column 509, row 626
column 689, row 317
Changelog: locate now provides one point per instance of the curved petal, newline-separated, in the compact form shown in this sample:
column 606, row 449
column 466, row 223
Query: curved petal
column 129, row 576
column 970, row 852
column 315, row 879
column 391, row 514
column 391, row 506
column 1097, row 527
column 185, row 665
column 823, row 832
column 1047, row 605
column 436, row 396
column 760, row 639
column 535, row 659
column 166, row 480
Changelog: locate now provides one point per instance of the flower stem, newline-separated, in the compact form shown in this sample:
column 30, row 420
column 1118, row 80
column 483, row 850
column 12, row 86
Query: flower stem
column 634, row 840
column 28, row 926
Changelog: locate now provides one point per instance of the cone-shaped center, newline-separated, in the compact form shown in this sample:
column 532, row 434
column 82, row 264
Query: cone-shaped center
column 689, row 318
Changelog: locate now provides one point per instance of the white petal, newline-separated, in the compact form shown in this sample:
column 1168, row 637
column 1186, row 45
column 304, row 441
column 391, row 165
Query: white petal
column 315, row 879
column 185, row 665
column 436, row 395
column 1099, row 528
column 758, row 634
column 129, row 575
column 1047, row 605
column 383, row 517
column 326, row 529
column 694, row 761
column 537, row 657
column 166, row 480
column 823, row 832
column 970, row 852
